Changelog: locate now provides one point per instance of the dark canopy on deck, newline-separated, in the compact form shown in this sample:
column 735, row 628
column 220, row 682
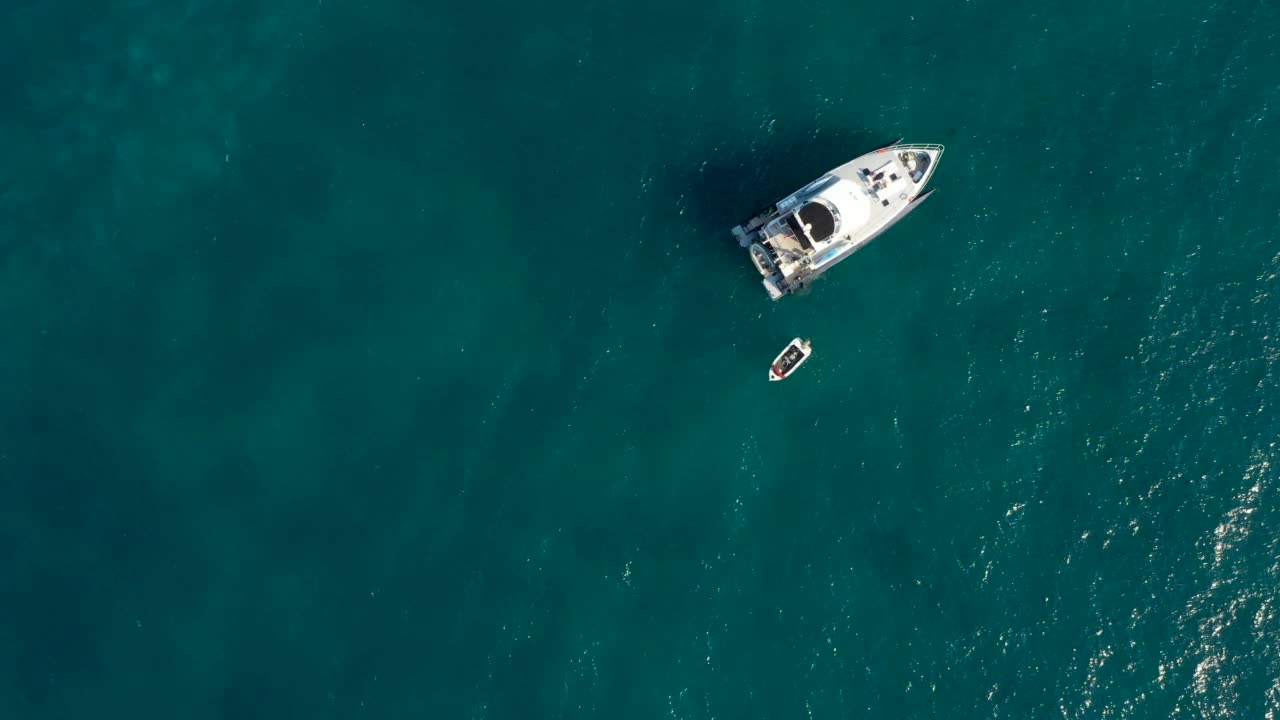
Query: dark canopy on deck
column 818, row 218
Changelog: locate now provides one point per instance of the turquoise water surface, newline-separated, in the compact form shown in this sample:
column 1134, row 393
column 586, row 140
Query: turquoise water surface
column 394, row 360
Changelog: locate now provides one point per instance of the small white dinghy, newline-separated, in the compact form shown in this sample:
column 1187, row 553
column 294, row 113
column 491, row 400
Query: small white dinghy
column 792, row 357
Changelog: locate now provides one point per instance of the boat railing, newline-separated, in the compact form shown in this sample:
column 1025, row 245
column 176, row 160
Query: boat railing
column 932, row 155
column 918, row 146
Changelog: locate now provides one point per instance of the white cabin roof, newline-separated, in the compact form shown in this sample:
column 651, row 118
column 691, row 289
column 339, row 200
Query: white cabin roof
column 851, row 201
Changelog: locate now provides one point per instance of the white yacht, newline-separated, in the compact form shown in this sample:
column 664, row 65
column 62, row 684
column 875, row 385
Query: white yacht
column 805, row 234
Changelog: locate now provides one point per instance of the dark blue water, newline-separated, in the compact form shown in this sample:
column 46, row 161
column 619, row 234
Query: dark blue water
column 391, row 360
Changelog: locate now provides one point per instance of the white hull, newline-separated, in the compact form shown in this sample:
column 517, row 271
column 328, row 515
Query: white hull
column 808, row 232
column 792, row 357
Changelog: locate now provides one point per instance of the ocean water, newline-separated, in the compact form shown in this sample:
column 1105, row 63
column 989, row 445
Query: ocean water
column 391, row 359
